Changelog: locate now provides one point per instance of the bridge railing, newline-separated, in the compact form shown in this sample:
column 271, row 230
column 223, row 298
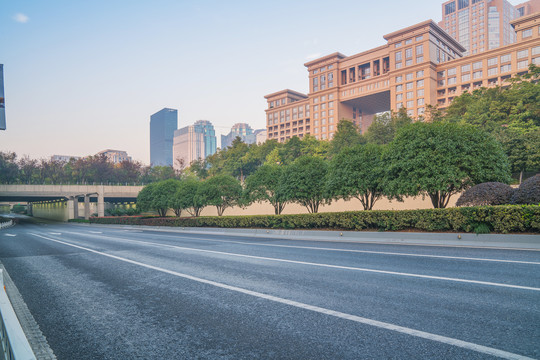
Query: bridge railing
column 15, row 345
column 6, row 224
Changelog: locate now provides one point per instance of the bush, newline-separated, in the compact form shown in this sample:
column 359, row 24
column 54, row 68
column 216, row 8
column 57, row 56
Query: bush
column 528, row 192
column 489, row 193
column 499, row 219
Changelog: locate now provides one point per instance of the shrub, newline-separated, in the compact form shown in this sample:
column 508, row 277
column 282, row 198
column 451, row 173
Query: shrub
column 528, row 192
column 499, row 219
column 489, row 193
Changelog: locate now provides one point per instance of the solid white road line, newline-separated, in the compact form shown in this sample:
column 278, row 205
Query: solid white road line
column 370, row 252
column 432, row 277
column 383, row 325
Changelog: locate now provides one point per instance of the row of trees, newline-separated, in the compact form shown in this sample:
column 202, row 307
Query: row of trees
column 92, row 169
column 436, row 160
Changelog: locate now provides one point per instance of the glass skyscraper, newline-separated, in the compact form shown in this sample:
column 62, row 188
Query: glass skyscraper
column 162, row 127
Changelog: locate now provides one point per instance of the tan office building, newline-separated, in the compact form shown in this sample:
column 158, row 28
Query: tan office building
column 481, row 25
column 419, row 65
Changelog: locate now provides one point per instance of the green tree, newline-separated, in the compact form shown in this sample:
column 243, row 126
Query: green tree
column 9, row 171
column 522, row 149
column 264, row 185
column 357, row 172
column 303, row 182
column 222, row 191
column 347, row 135
column 157, row 196
column 441, row 159
column 145, row 197
column 385, row 126
column 186, row 196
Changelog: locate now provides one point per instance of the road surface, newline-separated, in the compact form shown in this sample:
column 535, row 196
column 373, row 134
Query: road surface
column 102, row 292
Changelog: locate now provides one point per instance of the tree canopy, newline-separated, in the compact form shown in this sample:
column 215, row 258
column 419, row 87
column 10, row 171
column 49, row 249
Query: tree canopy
column 265, row 185
column 442, row 159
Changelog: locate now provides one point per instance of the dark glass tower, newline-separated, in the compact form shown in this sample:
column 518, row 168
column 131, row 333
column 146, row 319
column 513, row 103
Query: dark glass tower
column 162, row 127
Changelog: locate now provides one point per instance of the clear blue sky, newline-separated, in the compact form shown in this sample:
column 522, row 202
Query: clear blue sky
column 84, row 76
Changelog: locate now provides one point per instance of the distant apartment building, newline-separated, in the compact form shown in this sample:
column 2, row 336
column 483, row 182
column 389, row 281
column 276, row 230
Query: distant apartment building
column 481, row 25
column 115, row 156
column 241, row 130
column 162, row 127
column 64, row 158
column 418, row 66
column 260, row 136
column 194, row 142
column 2, row 101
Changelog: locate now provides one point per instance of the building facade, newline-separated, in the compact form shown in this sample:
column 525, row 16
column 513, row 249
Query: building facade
column 193, row 142
column 162, row 127
column 418, row 66
column 64, row 158
column 115, row 156
column 481, row 25
column 241, row 130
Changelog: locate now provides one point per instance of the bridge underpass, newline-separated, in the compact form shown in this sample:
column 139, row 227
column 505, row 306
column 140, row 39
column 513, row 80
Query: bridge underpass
column 64, row 202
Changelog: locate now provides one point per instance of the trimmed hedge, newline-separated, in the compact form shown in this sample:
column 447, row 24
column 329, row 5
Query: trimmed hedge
column 498, row 219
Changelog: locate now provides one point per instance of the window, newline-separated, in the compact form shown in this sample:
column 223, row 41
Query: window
column 399, row 79
column 526, row 33
column 409, row 86
column 316, row 108
column 419, row 38
column 420, row 92
column 492, row 71
column 409, row 41
column 330, row 96
column 330, row 112
column 408, row 62
column 522, row 64
column 419, row 59
column 506, row 68
column 465, row 77
column 419, row 50
column 462, row 4
column 399, row 88
column 493, row 61
column 420, row 102
column 331, row 104
column 466, row 68
column 408, row 53
column 399, row 97
column 420, row 74
column 410, row 95
column 398, row 65
column 397, row 45
column 523, row 53
column 477, row 65
column 421, row 111
column 535, row 50
column 398, row 56
column 409, row 76
column 506, row 58
column 450, row 8
column 477, row 74
column 420, row 83
column 451, row 71
column 451, row 80
column 410, row 104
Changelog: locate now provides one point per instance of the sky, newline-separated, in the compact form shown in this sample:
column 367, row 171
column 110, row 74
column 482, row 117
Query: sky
column 85, row 76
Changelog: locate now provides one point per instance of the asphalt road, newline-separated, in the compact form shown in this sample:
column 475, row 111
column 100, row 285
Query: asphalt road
column 125, row 293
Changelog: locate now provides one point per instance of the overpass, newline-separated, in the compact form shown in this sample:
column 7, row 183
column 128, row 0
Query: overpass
column 64, row 199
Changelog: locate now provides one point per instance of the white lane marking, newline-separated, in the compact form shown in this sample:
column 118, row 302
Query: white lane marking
column 347, row 250
column 383, row 325
column 55, row 233
column 10, row 235
column 96, row 232
column 370, row 252
column 431, row 277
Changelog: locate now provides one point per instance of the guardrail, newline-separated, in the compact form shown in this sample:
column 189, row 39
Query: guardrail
column 15, row 346
column 6, row 224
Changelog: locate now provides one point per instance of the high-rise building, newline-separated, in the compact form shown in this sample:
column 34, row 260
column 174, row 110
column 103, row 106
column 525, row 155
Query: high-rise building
column 193, row 142
column 418, row 66
column 2, row 102
column 115, row 156
column 261, row 135
column 241, row 130
column 162, row 127
column 481, row 25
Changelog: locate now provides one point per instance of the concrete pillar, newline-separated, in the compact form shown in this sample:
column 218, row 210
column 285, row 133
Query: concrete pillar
column 29, row 209
column 101, row 201
column 73, row 205
column 87, row 207
column 101, row 205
